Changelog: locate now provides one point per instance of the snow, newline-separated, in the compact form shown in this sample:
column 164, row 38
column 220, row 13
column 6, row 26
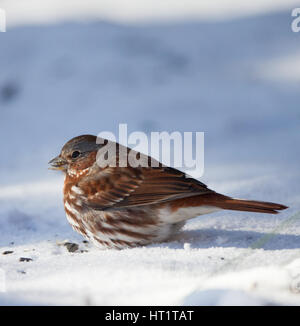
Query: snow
column 233, row 79
column 134, row 11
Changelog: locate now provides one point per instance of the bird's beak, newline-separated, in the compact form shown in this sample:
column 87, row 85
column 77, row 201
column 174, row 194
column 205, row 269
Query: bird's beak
column 58, row 163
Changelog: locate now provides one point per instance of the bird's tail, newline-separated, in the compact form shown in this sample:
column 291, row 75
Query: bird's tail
column 225, row 202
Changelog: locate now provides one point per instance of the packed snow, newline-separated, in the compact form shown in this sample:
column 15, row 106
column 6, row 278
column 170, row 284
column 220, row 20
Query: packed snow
column 235, row 80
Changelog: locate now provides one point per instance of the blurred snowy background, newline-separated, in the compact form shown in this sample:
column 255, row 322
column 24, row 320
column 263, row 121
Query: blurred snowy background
column 228, row 68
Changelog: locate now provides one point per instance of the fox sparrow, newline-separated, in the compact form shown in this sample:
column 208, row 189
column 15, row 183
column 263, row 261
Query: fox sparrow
column 119, row 206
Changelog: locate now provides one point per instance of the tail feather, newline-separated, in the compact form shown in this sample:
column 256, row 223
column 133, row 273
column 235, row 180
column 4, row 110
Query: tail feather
column 248, row 205
column 214, row 199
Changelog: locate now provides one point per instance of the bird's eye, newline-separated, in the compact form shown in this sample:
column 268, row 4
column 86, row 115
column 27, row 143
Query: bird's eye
column 75, row 154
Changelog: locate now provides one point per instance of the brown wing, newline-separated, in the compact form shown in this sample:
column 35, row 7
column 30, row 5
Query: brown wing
column 118, row 187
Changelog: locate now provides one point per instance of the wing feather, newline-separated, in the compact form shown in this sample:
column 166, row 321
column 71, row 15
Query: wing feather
column 116, row 188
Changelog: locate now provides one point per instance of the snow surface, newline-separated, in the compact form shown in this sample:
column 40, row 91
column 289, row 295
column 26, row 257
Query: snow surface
column 235, row 80
column 133, row 11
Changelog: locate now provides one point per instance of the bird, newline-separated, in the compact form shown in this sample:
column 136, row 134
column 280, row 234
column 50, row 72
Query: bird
column 118, row 206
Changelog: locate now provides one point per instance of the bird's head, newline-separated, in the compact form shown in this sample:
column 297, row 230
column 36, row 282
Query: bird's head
column 77, row 154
